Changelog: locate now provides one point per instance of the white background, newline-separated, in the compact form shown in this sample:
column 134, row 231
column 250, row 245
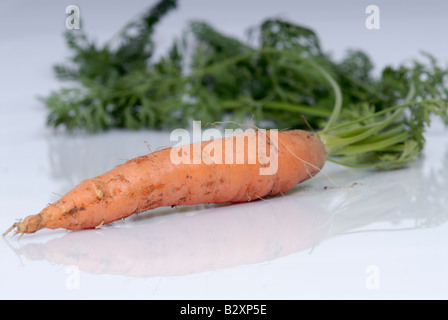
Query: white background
column 383, row 236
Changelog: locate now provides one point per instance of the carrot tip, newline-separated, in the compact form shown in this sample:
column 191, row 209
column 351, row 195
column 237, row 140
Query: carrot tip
column 15, row 225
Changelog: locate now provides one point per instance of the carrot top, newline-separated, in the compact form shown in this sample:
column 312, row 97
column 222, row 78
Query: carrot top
column 280, row 73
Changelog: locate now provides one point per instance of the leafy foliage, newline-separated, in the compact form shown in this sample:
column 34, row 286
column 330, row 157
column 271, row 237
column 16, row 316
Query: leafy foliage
column 365, row 120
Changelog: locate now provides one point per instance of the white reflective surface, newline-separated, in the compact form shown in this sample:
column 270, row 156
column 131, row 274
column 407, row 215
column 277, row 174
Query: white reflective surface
column 362, row 234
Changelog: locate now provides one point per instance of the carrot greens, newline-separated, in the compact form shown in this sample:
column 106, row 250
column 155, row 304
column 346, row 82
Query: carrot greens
column 278, row 74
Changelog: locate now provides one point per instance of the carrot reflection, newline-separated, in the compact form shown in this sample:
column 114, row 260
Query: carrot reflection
column 212, row 239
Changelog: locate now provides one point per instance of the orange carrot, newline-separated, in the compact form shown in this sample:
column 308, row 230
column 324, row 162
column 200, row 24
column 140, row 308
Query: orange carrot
column 153, row 180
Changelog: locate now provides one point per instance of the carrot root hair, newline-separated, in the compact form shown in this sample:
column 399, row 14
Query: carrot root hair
column 306, row 164
column 15, row 226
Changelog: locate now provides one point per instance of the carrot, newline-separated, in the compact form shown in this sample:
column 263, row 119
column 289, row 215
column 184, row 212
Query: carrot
column 151, row 181
column 386, row 139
